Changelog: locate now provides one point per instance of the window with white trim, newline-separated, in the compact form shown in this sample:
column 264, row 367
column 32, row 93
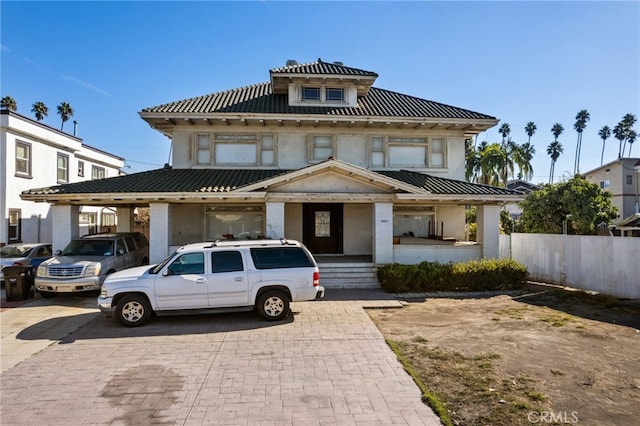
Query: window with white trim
column 268, row 151
column 62, row 168
column 15, row 226
column 377, row 151
column 203, row 149
column 310, row 93
column 23, row 159
column 97, row 172
column 81, row 168
column 235, row 149
column 417, row 152
column 436, row 153
column 333, row 94
column 322, row 148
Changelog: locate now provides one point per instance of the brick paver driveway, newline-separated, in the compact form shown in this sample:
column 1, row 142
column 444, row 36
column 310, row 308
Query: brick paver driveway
column 326, row 365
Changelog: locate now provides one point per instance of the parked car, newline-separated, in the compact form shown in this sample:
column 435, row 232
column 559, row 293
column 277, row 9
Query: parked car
column 223, row 276
column 85, row 262
column 24, row 254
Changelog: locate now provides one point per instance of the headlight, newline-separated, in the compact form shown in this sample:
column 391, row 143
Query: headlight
column 103, row 292
column 93, row 270
column 42, row 271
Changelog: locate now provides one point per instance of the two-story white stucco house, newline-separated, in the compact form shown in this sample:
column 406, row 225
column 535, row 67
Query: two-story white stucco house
column 316, row 154
column 35, row 155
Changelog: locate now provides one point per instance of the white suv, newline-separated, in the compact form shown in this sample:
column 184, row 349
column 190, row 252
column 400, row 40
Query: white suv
column 215, row 277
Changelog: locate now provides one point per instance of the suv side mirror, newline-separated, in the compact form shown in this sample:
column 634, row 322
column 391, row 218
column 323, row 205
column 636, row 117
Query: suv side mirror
column 58, row 252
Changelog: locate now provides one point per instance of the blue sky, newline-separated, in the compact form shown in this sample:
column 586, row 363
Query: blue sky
column 518, row 61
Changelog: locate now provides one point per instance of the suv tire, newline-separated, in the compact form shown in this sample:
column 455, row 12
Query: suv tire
column 133, row 310
column 273, row 305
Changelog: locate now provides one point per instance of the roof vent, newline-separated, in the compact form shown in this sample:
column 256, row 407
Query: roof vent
column 338, row 63
column 291, row 62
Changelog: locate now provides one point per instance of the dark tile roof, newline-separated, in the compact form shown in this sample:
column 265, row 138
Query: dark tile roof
column 259, row 99
column 443, row 186
column 224, row 180
column 321, row 67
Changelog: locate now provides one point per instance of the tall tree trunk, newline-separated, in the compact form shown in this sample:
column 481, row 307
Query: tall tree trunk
column 602, row 155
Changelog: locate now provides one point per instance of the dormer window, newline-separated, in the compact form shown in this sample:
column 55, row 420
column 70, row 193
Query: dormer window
column 310, row 93
column 334, row 94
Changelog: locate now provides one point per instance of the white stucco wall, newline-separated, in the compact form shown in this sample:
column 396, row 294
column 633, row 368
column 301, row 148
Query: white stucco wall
column 191, row 224
column 414, row 254
column 293, row 221
column 454, row 221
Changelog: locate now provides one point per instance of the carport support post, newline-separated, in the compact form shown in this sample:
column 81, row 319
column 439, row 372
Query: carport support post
column 159, row 228
column 275, row 219
column 125, row 219
column 382, row 233
column 488, row 230
column 65, row 225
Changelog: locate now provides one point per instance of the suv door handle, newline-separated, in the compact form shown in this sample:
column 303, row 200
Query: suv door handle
column 238, row 278
column 201, row 280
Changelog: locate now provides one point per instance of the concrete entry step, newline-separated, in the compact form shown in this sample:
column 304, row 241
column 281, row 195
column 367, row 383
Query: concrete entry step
column 348, row 275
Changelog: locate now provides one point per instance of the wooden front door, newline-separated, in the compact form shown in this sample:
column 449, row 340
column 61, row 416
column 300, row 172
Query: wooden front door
column 322, row 228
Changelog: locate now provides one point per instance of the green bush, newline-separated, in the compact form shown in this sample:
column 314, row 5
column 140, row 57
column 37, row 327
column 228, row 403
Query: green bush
column 475, row 275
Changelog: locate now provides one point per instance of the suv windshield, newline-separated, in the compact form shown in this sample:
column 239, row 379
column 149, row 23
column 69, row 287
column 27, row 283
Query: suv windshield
column 89, row 248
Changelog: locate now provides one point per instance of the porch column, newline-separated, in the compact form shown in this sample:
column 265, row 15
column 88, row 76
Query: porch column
column 488, row 230
column 382, row 233
column 275, row 220
column 159, row 231
column 124, row 219
column 65, row 225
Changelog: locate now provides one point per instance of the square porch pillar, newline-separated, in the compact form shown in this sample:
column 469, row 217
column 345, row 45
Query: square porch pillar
column 65, row 225
column 382, row 233
column 159, row 231
column 275, row 220
column 125, row 219
column 488, row 230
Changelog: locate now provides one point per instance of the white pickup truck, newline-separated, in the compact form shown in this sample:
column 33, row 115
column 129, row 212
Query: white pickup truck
column 265, row 275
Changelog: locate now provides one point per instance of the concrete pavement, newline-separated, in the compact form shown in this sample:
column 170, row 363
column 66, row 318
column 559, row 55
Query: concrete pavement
column 325, row 365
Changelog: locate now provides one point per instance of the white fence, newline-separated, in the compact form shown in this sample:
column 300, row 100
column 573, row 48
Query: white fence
column 608, row 265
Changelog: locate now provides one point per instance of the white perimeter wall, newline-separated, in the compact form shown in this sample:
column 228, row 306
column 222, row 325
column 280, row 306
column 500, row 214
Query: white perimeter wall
column 608, row 265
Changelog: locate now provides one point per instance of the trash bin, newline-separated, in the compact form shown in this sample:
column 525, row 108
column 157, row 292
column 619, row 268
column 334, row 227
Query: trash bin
column 18, row 281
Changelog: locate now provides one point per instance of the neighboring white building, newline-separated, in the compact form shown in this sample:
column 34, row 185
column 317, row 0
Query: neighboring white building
column 621, row 178
column 35, row 155
column 316, row 154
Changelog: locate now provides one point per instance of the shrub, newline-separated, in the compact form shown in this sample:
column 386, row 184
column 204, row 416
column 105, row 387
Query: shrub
column 475, row 275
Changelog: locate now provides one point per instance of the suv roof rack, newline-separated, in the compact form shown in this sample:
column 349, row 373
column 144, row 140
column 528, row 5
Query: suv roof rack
column 240, row 243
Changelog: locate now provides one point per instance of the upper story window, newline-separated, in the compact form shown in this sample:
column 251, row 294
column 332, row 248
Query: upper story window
column 23, row 159
column 310, row 93
column 321, row 148
column 377, row 151
column 62, row 168
column 97, row 172
column 235, row 149
column 629, row 179
column 81, row 168
column 409, row 152
column 334, row 94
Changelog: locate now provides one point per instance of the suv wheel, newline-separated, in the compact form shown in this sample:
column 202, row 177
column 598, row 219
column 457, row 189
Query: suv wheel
column 273, row 305
column 133, row 310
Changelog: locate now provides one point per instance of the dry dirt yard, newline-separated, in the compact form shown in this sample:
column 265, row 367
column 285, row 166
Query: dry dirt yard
column 550, row 356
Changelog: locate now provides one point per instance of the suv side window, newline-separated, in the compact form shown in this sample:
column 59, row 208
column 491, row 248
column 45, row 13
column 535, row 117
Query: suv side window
column 190, row 263
column 280, row 257
column 226, row 261
column 120, row 247
column 130, row 244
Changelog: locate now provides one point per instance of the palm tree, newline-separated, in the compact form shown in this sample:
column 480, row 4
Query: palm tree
column 64, row 111
column 555, row 148
column 40, row 110
column 604, row 134
column 522, row 156
column 581, row 123
column 504, row 130
column 627, row 123
column 631, row 138
column 620, row 134
column 530, row 129
column 8, row 103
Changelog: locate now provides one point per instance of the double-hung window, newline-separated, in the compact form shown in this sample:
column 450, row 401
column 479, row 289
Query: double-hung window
column 15, row 225
column 81, row 168
column 23, row 159
column 62, row 168
column 437, row 153
column 203, row 149
column 97, row 172
column 377, row 151
column 322, row 148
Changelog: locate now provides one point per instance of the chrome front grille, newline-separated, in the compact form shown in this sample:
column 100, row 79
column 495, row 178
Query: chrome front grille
column 64, row 271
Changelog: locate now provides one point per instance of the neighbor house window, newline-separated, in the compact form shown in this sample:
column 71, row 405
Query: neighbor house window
column 108, row 219
column 377, row 151
column 81, row 168
column 605, row 184
column 203, row 149
column 15, row 225
column 63, row 168
column 629, row 179
column 322, row 148
column 23, row 159
column 334, row 94
column 310, row 93
column 97, row 172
